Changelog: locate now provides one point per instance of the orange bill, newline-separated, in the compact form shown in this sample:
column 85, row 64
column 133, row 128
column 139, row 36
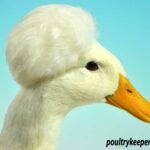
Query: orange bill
column 129, row 99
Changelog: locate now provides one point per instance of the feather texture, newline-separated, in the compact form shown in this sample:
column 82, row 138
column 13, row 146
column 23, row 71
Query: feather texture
column 48, row 41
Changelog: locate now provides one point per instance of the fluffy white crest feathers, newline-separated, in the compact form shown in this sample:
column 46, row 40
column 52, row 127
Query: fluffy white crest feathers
column 48, row 41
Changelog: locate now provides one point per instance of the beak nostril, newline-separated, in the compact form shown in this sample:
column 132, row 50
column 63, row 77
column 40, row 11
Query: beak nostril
column 128, row 90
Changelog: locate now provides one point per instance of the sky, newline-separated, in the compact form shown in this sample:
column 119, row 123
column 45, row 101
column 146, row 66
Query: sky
column 123, row 27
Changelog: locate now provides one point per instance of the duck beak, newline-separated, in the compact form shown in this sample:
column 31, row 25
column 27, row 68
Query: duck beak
column 128, row 98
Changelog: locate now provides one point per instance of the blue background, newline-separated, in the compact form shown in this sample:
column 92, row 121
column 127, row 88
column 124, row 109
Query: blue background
column 124, row 27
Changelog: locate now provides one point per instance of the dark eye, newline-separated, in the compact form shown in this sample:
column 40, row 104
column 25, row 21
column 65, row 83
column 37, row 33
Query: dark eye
column 92, row 66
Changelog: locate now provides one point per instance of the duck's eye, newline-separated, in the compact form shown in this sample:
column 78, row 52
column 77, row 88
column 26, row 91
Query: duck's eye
column 92, row 66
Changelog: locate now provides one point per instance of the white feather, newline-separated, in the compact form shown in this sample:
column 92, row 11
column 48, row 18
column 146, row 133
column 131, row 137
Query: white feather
column 48, row 41
column 47, row 53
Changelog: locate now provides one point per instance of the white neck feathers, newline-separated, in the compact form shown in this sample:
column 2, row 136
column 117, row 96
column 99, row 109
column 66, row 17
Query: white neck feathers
column 34, row 119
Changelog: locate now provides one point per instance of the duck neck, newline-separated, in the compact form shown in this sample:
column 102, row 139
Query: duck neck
column 50, row 124
column 38, row 123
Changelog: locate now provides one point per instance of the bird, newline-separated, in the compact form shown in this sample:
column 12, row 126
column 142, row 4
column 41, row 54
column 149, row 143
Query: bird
column 54, row 55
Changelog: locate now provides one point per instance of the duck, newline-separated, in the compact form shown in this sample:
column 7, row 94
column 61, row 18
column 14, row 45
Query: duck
column 54, row 55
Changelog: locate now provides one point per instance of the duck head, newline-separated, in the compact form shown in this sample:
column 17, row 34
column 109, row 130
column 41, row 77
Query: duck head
column 57, row 42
